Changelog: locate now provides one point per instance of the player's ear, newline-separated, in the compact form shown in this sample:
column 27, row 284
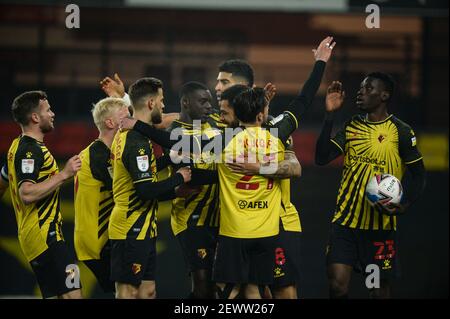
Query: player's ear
column 151, row 103
column 260, row 117
column 385, row 95
column 109, row 123
column 34, row 117
column 184, row 102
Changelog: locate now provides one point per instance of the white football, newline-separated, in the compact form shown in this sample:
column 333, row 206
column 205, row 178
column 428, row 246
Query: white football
column 384, row 187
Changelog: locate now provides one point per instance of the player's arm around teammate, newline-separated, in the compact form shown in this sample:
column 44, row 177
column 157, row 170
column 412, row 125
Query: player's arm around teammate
column 116, row 88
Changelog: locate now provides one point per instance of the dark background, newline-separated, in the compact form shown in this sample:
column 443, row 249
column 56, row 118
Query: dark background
column 182, row 44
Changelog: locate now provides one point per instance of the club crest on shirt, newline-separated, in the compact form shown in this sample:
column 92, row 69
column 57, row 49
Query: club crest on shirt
column 27, row 166
column 201, row 253
column 142, row 163
column 136, row 268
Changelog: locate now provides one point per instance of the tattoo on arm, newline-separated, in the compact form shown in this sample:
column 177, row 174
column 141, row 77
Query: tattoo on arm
column 288, row 168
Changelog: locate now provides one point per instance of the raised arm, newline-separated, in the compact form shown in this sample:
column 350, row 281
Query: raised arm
column 326, row 148
column 303, row 100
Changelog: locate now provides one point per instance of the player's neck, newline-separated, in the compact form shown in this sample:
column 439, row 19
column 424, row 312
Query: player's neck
column 143, row 116
column 377, row 115
column 33, row 132
column 185, row 118
column 107, row 137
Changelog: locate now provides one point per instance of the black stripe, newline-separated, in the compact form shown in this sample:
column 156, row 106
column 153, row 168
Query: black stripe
column 43, row 178
column 105, row 214
column 139, row 223
column 138, row 207
column 106, row 199
column 51, row 208
column 150, row 231
column 44, row 168
column 209, row 213
column 353, row 197
column 43, row 204
column 105, row 209
column 188, row 200
column 133, row 203
column 103, row 229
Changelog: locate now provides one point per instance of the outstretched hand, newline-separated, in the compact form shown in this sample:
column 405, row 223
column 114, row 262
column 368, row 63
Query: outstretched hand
column 270, row 91
column 323, row 51
column 127, row 123
column 113, row 88
column 335, row 97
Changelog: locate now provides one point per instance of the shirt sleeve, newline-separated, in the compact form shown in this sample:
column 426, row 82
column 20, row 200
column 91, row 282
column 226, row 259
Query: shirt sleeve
column 285, row 123
column 28, row 162
column 100, row 165
column 340, row 138
column 137, row 159
column 408, row 145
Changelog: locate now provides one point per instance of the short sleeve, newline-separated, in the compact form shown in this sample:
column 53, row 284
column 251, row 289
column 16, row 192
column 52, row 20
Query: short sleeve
column 286, row 123
column 340, row 138
column 137, row 159
column 100, row 164
column 408, row 145
column 28, row 162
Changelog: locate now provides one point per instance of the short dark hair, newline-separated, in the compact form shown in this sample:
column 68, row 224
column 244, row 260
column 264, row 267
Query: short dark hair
column 240, row 68
column 25, row 104
column 231, row 93
column 388, row 81
column 249, row 103
column 190, row 87
column 143, row 88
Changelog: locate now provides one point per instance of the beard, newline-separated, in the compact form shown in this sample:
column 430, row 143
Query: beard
column 46, row 127
column 156, row 117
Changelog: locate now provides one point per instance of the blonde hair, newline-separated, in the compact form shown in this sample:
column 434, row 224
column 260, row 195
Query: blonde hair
column 104, row 108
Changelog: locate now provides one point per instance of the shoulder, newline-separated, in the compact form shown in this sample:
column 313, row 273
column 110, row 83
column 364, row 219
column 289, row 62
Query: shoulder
column 401, row 126
column 29, row 146
column 135, row 142
column 98, row 149
column 280, row 119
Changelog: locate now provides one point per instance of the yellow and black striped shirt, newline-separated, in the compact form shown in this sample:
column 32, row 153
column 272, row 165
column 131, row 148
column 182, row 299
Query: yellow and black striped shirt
column 250, row 205
column 93, row 201
column 290, row 217
column 370, row 148
column 133, row 162
column 200, row 209
column 39, row 223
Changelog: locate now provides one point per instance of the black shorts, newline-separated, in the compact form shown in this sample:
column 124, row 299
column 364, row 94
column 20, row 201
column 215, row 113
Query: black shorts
column 244, row 260
column 359, row 248
column 133, row 261
column 101, row 268
column 286, row 270
column 198, row 245
column 50, row 270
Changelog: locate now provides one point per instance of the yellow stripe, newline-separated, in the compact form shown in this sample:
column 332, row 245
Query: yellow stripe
column 413, row 161
column 142, row 180
column 187, row 124
column 293, row 116
column 337, row 145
